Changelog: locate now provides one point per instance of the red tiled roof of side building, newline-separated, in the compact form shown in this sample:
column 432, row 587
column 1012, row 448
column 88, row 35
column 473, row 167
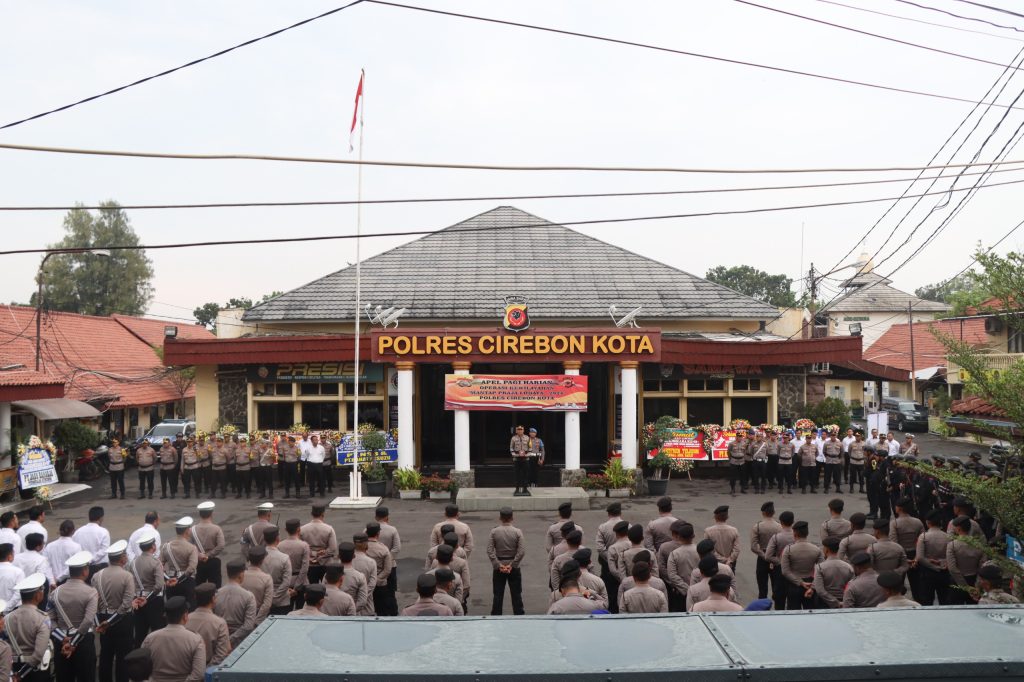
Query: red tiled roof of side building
column 98, row 358
column 893, row 347
column 152, row 331
column 976, row 406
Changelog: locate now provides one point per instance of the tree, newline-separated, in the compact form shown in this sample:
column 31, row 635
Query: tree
column 773, row 289
column 96, row 285
column 181, row 379
column 206, row 314
column 961, row 292
column 1003, row 278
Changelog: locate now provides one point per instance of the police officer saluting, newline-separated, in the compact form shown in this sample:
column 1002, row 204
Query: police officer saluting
column 72, row 609
column 28, row 631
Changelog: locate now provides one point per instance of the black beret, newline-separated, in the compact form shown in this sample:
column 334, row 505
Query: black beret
column 614, row 508
column 832, row 542
column 582, row 555
column 705, row 546
column 444, row 575
column 360, row 537
column 768, row 507
column 445, row 551
column 564, row 507
column 990, row 572
column 722, row 509
column 708, row 565
column 426, row 580
column 621, row 527
column 206, row 590
column 257, row 552
column 174, row 604
column 890, row 580
column 860, row 558
column 569, row 567
column 719, row 582
column 316, row 590
column 880, row 524
column 372, row 528
column 800, row 526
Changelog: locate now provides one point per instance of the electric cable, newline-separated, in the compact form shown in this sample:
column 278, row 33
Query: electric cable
column 959, row 16
column 920, row 21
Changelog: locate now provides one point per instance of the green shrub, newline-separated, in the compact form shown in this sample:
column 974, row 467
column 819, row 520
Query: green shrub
column 74, row 436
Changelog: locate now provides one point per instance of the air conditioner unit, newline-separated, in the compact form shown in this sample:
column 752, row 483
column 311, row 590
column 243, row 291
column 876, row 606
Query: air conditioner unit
column 821, row 368
column 993, row 325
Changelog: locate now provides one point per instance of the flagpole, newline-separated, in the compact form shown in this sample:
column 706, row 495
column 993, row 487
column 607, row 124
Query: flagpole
column 355, row 487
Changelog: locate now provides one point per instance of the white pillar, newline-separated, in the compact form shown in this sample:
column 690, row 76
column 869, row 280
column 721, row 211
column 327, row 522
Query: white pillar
column 406, row 443
column 572, row 426
column 5, row 427
column 461, row 427
column 629, row 435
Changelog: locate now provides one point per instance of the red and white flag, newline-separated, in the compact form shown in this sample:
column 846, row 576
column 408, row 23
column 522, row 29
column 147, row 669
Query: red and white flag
column 355, row 112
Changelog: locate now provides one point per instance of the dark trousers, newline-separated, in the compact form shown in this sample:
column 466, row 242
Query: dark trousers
column 302, row 473
column 747, row 472
column 514, row 580
column 116, row 481
column 280, row 471
column 146, row 478
column 264, row 481
column 329, row 473
column 315, row 574
column 611, row 584
column 521, row 466
column 832, row 474
column 315, row 470
column 736, row 476
column 787, row 475
column 856, row 475
column 184, row 588
column 281, row 610
column 934, row 584
column 232, row 478
column 190, row 478
column 393, row 588
column 291, row 478
column 773, row 471
column 809, row 477
column 220, row 480
column 795, row 599
column 168, row 479
column 759, row 468
column 81, row 667
column 959, row 596
column 779, row 588
column 846, row 466
column 914, row 578
column 115, row 644
column 243, row 482
column 148, row 618
column 763, row 574
column 209, row 571
column 384, row 602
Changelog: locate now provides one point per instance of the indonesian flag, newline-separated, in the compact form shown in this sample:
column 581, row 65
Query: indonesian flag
column 355, row 112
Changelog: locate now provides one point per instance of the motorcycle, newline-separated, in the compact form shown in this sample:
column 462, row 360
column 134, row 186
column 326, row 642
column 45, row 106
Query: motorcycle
column 91, row 463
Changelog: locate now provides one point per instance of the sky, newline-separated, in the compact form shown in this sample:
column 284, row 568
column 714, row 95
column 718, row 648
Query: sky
column 442, row 89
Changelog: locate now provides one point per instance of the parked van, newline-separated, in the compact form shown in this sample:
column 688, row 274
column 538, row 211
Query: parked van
column 905, row 414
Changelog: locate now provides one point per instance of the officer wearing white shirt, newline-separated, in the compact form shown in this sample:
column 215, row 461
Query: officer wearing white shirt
column 147, row 529
column 9, row 531
column 10, row 575
column 37, row 517
column 93, row 537
column 892, row 445
column 872, row 441
column 60, row 550
column 303, row 456
column 32, row 561
column 315, row 455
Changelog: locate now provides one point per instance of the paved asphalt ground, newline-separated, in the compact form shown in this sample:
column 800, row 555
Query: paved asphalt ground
column 693, row 500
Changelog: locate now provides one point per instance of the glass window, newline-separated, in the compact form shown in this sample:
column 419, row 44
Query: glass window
column 655, row 385
column 318, row 389
column 320, row 415
column 369, row 413
column 754, row 410
column 364, row 389
column 276, row 416
column 746, row 384
column 1015, row 341
column 655, row 408
column 704, row 411
column 706, row 384
column 272, row 389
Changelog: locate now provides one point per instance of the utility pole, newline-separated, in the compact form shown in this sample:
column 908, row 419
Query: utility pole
column 913, row 368
column 812, row 288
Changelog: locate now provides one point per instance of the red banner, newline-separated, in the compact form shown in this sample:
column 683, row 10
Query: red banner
column 720, row 452
column 684, row 444
column 547, row 392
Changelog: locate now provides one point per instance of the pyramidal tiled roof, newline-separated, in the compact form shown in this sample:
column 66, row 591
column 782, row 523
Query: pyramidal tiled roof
column 463, row 271
column 870, row 292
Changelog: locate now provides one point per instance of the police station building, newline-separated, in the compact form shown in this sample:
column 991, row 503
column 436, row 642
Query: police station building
column 603, row 339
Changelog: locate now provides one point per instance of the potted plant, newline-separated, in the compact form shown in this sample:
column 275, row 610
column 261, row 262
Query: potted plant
column 438, row 487
column 408, row 483
column 620, row 480
column 660, row 464
column 375, row 476
column 596, row 485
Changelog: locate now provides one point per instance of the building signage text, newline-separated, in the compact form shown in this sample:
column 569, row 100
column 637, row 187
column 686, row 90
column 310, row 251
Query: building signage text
column 475, row 345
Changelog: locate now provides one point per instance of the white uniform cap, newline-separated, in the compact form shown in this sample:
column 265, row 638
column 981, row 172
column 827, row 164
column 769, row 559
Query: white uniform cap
column 79, row 559
column 184, row 522
column 147, row 538
column 3, row 606
column 118, row 548
column 266, row 506
column 205, row 505
column 32, row 583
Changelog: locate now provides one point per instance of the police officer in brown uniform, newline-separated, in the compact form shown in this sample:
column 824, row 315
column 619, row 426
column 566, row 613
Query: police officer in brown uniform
column 148, row 603
column 28, row 631
column 203, row 476
column 297, row 551
column 355, row 584
column 831, row 575
column 323, row 543
column 337, row 602
column 208, row 538
column 798, row 562
column 963, row 560
column 760, row 535
column 243, row 469
column 258, row 582
column 892, row 585
column 506, row 548
column 905, row 530
column 737, row 451
column 426, row 586
column 181, row 559
column 786, row 467
column 116, row 456
column 190, row 468
column 659, row 531
column 863, row 591
column 773, row 554
column 885, row 554
column 858, row 540
column 383, row 598
column 252, row 535
column 808, row 456
column 288, row 461
column 209, row 626
column 836, row 526
column 168, row 456
column 930, row 560
column 858, row 456
column 833, row 450
column 279, row 567
column 460, row 528
column 116, row 589
column 72, row 610
column 680, row 565
column 219, row 467
column 145, row 458
column 725, row 537
column 178, row 655
column 235, row 604
column 264, row 471
column 519, row 449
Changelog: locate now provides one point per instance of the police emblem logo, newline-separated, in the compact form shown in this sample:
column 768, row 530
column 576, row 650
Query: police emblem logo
column 517, row 317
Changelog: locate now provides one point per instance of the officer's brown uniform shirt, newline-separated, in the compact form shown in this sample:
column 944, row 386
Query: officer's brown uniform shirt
column 214, row 631
column 262, row 587
column 322, row 540
column 857, row 541
column 799, row 560
column 887, row 555
column 180, row 558
column 178, row 655
column 727, row 541
column 237, row 606
column 863, row 591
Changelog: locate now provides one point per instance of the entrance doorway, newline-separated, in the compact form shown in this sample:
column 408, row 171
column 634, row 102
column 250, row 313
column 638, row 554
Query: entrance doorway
column 490, row 433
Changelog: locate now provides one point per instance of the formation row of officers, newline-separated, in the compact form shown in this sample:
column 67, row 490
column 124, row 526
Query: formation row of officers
column 220, row 463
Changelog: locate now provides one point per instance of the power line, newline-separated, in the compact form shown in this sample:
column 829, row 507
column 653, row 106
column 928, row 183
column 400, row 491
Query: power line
column 686, row 53
column 994, row 9
column 959, row 16
column 521, row 197
column 920, row 21
column 167, row 72
column 411, row 233
column 494, row 167
column 875, row 35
